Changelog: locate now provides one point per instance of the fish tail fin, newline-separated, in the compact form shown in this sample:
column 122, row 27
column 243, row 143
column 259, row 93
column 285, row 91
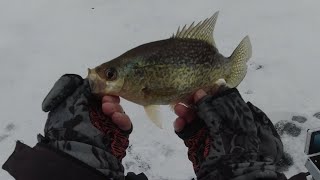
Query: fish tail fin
column 238, row 60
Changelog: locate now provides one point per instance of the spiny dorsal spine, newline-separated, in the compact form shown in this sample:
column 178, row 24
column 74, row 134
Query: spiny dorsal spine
column 202, row 31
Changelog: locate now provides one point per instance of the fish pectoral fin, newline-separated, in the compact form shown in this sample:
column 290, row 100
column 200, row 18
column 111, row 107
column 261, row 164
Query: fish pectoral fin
column 153, row 113
column 239, row 58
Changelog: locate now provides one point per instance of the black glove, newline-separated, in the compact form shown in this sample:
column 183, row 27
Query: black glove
column 77, row 126
column 231, row 139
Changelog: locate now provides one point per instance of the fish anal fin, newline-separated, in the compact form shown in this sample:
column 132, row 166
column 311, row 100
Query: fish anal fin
column 153, row 114
column 172, row 105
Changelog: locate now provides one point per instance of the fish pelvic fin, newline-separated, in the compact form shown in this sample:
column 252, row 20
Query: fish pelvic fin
column 238, row 60
column 153, row 113
column 202, row 31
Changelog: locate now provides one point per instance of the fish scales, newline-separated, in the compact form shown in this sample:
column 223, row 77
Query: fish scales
column 181, row 70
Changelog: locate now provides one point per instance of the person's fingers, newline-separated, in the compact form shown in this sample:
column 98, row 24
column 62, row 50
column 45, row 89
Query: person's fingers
column 121, row 120
column 111, row 99
column 181, row 110
column 187, row 114
column 214, row 89
column 179, row 124
column 198, row 95
column 110, row 108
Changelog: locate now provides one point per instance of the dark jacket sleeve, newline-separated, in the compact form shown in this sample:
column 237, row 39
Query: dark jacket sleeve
column 43, row 162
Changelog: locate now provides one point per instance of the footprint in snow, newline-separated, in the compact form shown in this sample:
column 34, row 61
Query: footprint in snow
column 3, row 137
column 249, row 92
column 317, row 115
column 137, row 161
column 299, row 119
column 256, row 66
column 285, row 162
column 10, row 127
column 259, row 67
column 287, row 127
column 290, row 127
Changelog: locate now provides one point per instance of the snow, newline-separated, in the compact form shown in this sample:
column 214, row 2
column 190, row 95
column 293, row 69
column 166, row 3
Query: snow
column 41, row 40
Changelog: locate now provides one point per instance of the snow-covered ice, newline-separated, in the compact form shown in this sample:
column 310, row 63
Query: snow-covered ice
column 40, row 40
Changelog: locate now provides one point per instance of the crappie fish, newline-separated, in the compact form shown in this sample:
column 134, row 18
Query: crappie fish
column 169, row 71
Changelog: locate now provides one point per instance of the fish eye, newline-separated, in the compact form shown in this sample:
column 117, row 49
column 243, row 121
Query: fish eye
column 111, row 74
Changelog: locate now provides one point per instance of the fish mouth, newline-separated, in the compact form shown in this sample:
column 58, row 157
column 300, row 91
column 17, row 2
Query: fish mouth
column 97, row 85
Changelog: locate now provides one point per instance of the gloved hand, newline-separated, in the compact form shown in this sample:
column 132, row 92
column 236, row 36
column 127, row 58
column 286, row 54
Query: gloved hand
column 92, row 130
column 228, row 138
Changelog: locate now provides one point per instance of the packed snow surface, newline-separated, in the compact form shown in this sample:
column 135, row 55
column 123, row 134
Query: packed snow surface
column 40, row 40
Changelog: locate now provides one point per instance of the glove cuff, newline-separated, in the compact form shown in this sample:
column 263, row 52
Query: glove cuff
column 196, row 138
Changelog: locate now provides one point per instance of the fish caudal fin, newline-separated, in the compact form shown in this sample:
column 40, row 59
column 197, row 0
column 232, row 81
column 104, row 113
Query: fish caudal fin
column 238, row 60
column 153, row 113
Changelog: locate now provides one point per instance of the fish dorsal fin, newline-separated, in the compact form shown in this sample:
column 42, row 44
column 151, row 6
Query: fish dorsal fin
column 202, row 31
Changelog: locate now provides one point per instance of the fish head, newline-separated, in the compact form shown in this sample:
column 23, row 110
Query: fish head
column 108, row 78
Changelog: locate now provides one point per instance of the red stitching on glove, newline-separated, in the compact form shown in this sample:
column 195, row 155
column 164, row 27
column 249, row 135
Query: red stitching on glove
column 193, row 143
column 119, row 141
